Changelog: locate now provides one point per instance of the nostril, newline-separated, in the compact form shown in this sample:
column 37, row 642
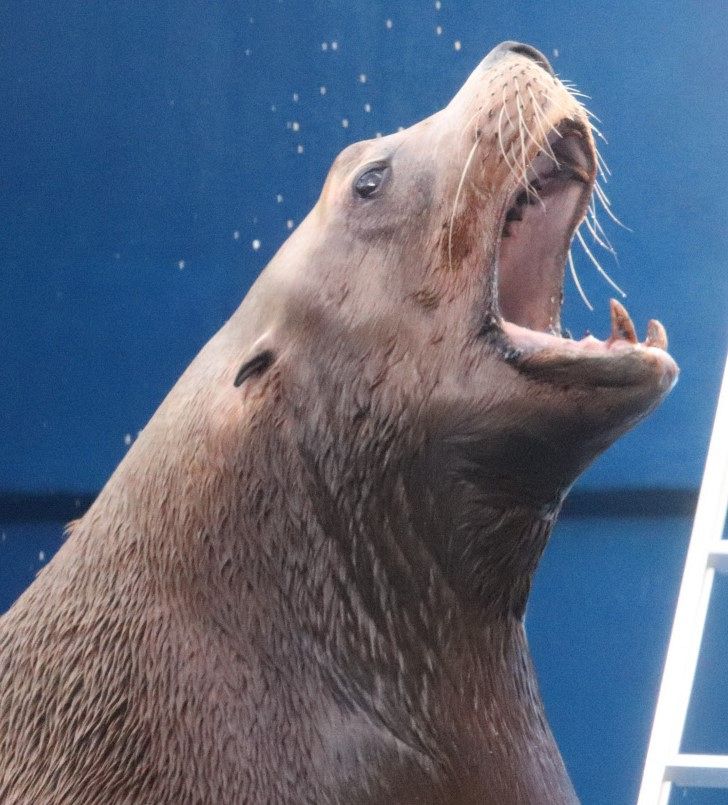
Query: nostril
column 529, row 52
column 532, row 53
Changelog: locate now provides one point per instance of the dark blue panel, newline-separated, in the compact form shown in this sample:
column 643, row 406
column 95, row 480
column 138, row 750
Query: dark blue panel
column 24, row 549
column 140, row 135
column 598, row 622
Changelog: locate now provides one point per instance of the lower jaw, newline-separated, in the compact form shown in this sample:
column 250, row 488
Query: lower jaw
column 618, row 361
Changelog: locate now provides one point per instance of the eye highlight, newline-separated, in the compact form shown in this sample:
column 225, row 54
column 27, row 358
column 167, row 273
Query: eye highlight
column 370, row 183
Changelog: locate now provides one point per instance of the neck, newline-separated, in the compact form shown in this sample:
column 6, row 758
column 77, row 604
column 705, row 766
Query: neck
column 402, row 596
column 429, row 592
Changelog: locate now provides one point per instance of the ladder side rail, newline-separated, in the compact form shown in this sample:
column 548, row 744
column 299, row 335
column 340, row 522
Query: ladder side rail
column 690, row 614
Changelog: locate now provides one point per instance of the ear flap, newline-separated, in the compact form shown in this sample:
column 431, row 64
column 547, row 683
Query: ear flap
column 255, row 366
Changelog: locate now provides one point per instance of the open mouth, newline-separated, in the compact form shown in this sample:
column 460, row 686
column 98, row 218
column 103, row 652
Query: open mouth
column 538, row 223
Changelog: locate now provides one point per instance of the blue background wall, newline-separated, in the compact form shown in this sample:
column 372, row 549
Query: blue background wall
column 146, row 146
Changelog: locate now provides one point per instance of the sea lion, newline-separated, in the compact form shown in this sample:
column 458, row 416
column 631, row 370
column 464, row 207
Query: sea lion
column 306, row 580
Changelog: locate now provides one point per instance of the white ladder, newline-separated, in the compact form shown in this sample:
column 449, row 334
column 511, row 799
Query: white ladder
column 707, row 552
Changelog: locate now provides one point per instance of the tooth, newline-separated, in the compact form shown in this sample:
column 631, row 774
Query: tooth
column 656, row 335
column 622, row 326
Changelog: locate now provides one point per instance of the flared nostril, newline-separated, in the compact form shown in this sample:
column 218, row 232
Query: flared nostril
column 532, row 53
column 523, row 50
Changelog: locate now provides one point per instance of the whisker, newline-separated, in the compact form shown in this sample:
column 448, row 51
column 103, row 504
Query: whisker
column 576, row 93
column 602, row 195
column 521, row 137
column 512, row 170
column 523, row 171
column 466, row 167
column 539, row 115
column 606, row 204
column 554, row 102
column 598, row 133
column 545, row 146
column 575, row 277
column 604, row 244
column 591, row 114
column 598, row 226
column 465, row 127
column 602, row 166
column 598, row 266
column 505, row 108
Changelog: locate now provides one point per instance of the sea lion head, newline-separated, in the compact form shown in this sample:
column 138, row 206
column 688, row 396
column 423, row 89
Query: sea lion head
column 430, row 273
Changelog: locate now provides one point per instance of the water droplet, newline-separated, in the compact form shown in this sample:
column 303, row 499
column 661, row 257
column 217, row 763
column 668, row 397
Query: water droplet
column 556, row 53
column 248, row 51
column 296, row 126
column 236, row 234
column 438, row 30
column 389, row 24
column 456, row 44
column 345, row 123
column 362, row 78
column 299, row 149
column 438, row 5
column 127, row 439
column 334, row 45
column 180, row 264
column 295, row 97
column 322, row 90
column 289, row 224
column 367, row 107
column 324, row 46
column 41, row 556
column 255, row 244
column 279, row 198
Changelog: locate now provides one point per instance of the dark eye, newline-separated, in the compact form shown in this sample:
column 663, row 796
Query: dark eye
column 370, row 182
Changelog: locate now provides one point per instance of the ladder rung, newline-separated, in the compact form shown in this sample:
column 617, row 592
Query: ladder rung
column 698, row 771
column 718, row 557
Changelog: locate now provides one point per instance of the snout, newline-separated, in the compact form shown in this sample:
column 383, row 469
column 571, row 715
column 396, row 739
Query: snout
column 505, row 48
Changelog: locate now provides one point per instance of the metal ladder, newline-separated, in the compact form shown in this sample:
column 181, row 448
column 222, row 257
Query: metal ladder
column 707, row 553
